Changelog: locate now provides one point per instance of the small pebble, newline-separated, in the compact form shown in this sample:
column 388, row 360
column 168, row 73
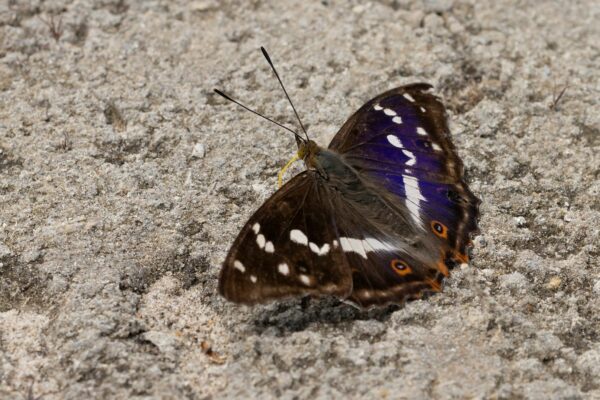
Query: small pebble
column 199, row 151
column 4, row 251
column 597, row 288
column 520, row 222
column 554, row 282
column 30, row 256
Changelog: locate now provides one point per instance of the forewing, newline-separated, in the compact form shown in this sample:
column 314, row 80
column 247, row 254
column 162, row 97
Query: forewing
column 399, row 142
column 287, row 248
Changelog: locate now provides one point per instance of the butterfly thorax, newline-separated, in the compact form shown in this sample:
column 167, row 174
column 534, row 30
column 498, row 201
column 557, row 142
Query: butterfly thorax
column 329, row 164
column 345, row 181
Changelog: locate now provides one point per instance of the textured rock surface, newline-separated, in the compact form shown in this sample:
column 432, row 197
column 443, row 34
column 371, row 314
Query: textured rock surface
column 123, row 180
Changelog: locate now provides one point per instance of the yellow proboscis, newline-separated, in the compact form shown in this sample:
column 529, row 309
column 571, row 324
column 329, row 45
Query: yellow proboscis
column 280, row 174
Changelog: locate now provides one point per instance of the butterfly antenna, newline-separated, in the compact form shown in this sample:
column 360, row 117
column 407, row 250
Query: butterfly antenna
column 217, row 91
column 283, row 87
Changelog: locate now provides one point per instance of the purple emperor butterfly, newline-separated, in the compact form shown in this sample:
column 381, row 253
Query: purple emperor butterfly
column 380, row 216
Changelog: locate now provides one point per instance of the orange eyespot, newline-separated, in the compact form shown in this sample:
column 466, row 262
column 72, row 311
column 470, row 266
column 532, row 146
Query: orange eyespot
column 439, row 229
column 400, row 267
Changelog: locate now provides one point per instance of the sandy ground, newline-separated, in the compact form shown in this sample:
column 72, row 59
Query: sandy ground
column 124, row 179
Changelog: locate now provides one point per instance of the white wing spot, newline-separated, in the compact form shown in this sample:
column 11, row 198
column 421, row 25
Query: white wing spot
column 283, row 269
column 353, row 245
column 335, row 244
column 372, row 244
column 413, row 197
column 389, row 111
column 411, row 187
column 411, row 156
column 269, row 248
column 394, row 141
column 297, row 236
column 256, row 228
column 422, row 109
column 320, row 251
column 253, row 278
column 421, row 131
column 304, row 279
column 237, row 264
column 362, row 247
column 260, row 240
column 314, row 247
column 377, row 107
column 324, row 249
column 436, row 147
column 408, row 97
column 397, row 120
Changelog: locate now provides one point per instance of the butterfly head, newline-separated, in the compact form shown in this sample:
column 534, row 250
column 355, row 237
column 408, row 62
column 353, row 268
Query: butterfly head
column 311, row 154
column 307, row 149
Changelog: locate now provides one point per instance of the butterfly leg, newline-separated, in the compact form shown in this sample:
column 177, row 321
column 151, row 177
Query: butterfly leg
column 285, row 168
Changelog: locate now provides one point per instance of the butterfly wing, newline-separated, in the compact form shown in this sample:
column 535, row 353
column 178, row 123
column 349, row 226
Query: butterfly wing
column 399, row 143
column 389, row 261
column 287, row 248
column 311, row 239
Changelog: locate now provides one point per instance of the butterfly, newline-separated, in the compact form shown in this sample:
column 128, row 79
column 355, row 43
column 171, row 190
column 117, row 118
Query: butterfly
column 380, row 216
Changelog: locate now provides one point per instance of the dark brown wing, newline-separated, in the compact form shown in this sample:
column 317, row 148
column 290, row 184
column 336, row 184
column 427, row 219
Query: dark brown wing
column 287, row 248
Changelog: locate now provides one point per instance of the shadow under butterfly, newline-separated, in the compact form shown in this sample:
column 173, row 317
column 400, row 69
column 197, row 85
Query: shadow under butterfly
column 378, row 217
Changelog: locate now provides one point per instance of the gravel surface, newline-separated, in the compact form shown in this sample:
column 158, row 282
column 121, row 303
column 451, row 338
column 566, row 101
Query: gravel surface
column 124, row 179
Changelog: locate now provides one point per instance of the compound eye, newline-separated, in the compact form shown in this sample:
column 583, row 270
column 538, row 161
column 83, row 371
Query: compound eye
column 439, row 229
column 400, row 267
